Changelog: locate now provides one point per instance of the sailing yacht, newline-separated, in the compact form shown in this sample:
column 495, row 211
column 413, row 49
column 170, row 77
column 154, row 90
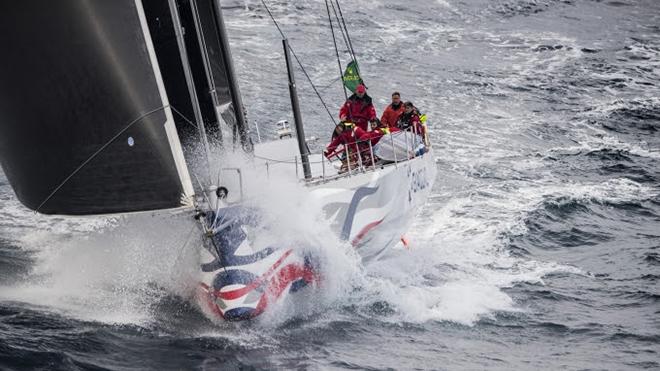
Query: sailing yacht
column 99, row 99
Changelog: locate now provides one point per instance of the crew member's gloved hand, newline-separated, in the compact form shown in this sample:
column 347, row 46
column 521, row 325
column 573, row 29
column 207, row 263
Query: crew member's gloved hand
column 326, row 153
column 384, row 130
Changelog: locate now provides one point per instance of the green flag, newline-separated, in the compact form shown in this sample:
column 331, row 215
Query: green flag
column 352, row 76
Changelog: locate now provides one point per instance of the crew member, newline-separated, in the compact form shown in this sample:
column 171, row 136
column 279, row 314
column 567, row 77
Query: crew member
column 346, row 134
column 392, row 111
column 358, row 109
column 409, row 120
column 355, row 140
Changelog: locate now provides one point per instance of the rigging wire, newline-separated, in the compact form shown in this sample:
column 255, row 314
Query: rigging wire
column 341, row 30
column 334, row 40
column 300, row 64
column 348, row 36
column 334, row 81
column 186, row 119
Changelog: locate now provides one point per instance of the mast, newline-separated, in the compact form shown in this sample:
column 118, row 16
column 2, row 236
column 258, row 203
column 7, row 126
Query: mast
column 236, row 99
column 297, row 117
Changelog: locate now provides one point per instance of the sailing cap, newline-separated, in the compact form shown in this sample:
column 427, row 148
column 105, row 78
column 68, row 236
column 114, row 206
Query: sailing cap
column 361, row 89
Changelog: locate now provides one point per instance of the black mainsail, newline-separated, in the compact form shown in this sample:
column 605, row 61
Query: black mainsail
column 86, row 116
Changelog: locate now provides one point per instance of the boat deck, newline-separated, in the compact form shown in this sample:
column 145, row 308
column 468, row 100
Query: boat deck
column 282, row 157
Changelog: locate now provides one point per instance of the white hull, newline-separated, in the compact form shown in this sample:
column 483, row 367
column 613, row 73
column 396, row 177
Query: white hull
column 373, row 209
column 370, row 209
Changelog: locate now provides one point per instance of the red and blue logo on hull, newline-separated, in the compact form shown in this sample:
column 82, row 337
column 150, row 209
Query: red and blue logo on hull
column 242, row 282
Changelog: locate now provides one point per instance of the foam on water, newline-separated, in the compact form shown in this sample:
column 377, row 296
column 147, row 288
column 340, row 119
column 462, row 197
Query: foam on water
column 591, row 139
column 118, row 271
column 19, row 219
column 458, row 264
column 111, row 275
column 456, row 268
column 295, row 219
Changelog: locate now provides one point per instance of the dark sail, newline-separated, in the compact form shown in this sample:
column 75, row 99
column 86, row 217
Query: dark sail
column 211, row 38
column 79, row 84
column 209, row 59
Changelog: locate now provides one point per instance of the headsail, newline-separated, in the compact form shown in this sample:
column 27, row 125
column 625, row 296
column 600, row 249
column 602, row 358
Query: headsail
column 80, row 85
column 88, row 123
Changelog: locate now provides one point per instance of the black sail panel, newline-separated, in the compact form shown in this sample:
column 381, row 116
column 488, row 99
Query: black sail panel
column 221, row 67
column 77, row 86
column 208, row 56
column 163, row 36
column 217, row 64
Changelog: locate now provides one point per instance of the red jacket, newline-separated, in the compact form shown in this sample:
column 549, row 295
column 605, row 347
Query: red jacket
column 391, row 115
column 358, row 110
column 375, row 135
column 349, row 138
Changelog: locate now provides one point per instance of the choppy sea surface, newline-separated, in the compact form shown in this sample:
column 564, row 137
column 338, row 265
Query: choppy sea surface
column 539, row 247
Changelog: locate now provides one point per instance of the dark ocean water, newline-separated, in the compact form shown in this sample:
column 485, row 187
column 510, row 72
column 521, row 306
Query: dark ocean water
column 538, row 249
